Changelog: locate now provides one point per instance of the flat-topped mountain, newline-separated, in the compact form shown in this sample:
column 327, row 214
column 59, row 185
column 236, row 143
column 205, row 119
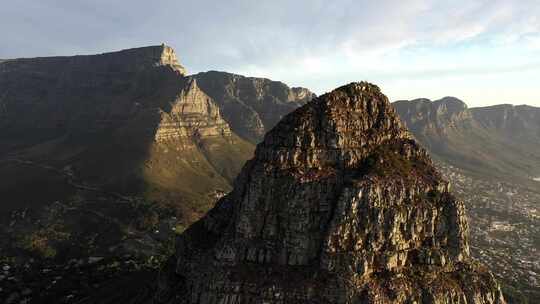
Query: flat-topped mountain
column 127, row 126
column 501, row 140
column 42, row 98
column 127, row 121
column 128, row 60
column 338, row 205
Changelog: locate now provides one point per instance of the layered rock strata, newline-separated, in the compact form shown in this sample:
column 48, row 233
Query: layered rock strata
column 501, row 140
column 252, row 105
column 434, row 117
column 338, row 205
column 192, row 115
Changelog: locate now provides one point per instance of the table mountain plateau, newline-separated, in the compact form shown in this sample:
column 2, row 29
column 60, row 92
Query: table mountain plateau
column 116, row 120
column 98, row 150
column 338, row 205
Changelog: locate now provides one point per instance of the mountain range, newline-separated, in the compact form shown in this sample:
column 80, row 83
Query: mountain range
column 502, row 140
column 133, row 123
column 338, row 205
column 115, row 155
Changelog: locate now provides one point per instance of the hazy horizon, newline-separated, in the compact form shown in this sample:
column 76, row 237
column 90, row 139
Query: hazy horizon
column 482, row 52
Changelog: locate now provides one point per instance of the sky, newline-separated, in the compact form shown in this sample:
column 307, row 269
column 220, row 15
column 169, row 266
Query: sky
column 483, row 52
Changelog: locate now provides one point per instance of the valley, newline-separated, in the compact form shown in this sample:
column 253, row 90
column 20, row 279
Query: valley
column 505, row 228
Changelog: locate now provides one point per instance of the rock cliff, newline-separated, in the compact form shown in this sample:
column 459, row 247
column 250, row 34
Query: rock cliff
column 522, row 123
column 251, row 105
column 338, row 205
column 500, row 140
column 130, row 122
column 433, row 117
column 105, row 156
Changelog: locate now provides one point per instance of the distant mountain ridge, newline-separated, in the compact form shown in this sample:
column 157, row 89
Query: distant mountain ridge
column 109, row 117
column 520, row 123
column 501, row 140
column 252, row 105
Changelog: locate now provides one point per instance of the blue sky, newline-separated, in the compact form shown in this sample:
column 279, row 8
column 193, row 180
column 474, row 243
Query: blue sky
column 484, row 52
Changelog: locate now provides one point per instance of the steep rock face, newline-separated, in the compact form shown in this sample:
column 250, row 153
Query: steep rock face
column 339, row 205
column 192, row 115
column 518, row 122
column 499, row 140
column 435, row 117
column 251, row 105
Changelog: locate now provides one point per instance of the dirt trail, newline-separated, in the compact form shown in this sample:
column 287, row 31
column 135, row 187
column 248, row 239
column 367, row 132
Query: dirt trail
column 70, row 178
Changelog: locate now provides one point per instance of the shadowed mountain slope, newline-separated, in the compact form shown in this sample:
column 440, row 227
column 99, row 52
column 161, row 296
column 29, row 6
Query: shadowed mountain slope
column 128, row 122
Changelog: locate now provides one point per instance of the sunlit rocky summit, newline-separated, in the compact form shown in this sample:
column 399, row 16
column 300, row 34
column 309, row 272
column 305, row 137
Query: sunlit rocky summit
column 338, row 205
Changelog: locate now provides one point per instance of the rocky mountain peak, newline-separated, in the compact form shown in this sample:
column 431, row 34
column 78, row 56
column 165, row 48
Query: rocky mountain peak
column 338, row 205
column 156, row 55
column 342, row 126
column 192, row 114
column 133, row 112
column 436, row 117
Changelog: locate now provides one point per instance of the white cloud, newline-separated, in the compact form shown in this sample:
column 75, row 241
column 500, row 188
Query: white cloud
column 314, row 43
